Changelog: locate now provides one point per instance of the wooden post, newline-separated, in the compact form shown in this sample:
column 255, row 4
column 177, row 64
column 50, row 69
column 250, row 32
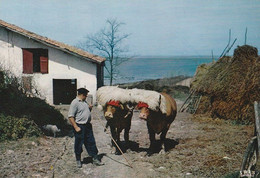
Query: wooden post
column 257, row 123
column 212, row 56
column 229, row 38
column 230, row 47
column 181, row 110
column 251, row 154
column 245, row 35
column 197, row 104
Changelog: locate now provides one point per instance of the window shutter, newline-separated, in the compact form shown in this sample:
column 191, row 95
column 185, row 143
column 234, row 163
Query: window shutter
column 44, row 64
column 27, row 62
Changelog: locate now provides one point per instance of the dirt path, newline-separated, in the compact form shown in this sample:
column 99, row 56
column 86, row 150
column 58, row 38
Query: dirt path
column 197, row 147
column 115, row 165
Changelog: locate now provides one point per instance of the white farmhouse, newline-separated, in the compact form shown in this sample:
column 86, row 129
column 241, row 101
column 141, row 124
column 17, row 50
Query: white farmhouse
column 55, row 69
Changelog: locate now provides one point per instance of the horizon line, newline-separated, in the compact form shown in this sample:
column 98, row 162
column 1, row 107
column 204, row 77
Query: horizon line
column 158, row 56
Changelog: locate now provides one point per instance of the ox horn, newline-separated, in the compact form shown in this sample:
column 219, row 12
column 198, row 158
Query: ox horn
column 130, row 110
column 130, row 107
column 122, row 106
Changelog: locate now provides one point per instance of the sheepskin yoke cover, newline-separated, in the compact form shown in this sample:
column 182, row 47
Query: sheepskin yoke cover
column 153, row 99
column 107, row 94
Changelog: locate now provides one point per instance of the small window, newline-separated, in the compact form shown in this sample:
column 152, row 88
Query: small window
column 35, row 60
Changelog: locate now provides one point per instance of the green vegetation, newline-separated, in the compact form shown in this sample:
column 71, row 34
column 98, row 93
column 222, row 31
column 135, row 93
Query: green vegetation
column 12, row 128
column 23, row 115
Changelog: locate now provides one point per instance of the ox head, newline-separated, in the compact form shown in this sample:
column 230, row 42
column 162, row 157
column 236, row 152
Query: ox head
column 116, row 108
column 111, row 108
column 144, row 110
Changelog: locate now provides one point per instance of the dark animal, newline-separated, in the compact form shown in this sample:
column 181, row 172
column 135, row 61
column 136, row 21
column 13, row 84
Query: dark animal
column 118, row 117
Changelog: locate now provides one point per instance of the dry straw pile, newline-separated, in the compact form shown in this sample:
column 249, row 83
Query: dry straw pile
column 230, row 86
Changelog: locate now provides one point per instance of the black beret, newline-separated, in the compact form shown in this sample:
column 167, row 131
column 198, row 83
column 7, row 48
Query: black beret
column 82, row 91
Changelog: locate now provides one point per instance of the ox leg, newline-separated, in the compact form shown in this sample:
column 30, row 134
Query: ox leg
column 118, row 142
column 126, row 136
column 162, row 139
column 152, row 140
column 105, row 129
column 113, row 133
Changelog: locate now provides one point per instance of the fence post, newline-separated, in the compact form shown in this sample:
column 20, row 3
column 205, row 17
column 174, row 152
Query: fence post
column 257, row 123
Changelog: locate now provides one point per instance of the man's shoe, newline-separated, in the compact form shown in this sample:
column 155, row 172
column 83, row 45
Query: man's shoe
column 79, row 165
column 97, row 162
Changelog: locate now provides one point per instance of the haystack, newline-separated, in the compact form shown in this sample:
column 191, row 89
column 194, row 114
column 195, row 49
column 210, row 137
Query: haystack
column 230, row 86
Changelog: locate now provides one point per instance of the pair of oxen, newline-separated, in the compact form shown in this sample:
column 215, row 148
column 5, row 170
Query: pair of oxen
column 158, row 109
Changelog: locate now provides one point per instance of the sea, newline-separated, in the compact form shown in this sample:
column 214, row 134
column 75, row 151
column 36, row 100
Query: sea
column 145, row 68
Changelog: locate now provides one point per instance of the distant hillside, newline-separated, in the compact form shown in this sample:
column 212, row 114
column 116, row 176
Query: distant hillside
column 168, row 85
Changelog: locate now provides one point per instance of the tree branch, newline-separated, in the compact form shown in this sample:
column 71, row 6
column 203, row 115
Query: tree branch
column 108, row 42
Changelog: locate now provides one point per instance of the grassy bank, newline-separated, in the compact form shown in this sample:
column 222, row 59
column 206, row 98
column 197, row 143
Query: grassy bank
column 22, row 115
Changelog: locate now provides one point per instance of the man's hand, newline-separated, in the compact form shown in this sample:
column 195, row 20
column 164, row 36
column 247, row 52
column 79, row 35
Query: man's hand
column 90, row 107
column 73, row 123
column 78, row 129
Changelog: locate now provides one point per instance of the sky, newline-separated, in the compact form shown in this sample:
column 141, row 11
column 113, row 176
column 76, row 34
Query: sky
column 157, row 27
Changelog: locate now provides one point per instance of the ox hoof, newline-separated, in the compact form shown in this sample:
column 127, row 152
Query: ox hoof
column 117, row 153
column 113, row 151
column 162, row 152
column 149, row 153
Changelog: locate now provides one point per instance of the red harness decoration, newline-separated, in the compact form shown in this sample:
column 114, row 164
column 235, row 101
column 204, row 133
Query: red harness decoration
column 114, row 103
column 142, row 104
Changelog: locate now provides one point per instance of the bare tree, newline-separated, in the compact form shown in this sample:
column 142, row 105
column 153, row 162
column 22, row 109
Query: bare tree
column 108, row 42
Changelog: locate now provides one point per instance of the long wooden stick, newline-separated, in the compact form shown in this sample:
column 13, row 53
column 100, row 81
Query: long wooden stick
column 197, row 104
column 180, row 110
column 114, row 140
column 230, row 47
column 229, row 38
column 130, row 165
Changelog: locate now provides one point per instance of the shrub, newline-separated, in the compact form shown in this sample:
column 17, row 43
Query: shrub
column 12, row 128
column 20, row 113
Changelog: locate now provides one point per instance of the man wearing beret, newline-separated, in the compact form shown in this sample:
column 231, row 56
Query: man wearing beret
column 80, row 117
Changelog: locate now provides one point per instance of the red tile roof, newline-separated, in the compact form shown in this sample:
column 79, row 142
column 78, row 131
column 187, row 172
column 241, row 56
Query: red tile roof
column 58, row 45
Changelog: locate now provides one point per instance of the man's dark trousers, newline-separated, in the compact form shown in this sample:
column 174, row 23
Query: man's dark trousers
column 86, row 137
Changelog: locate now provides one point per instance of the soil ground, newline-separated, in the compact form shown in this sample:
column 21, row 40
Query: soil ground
column 197, row 146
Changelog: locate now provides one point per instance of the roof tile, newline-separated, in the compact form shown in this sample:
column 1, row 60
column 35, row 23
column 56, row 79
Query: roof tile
column 53, row 43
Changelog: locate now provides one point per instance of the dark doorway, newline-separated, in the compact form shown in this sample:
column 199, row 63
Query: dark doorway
column 64, row 90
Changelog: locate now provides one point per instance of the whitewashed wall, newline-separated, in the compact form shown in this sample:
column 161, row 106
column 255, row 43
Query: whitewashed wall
column 61, row 65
